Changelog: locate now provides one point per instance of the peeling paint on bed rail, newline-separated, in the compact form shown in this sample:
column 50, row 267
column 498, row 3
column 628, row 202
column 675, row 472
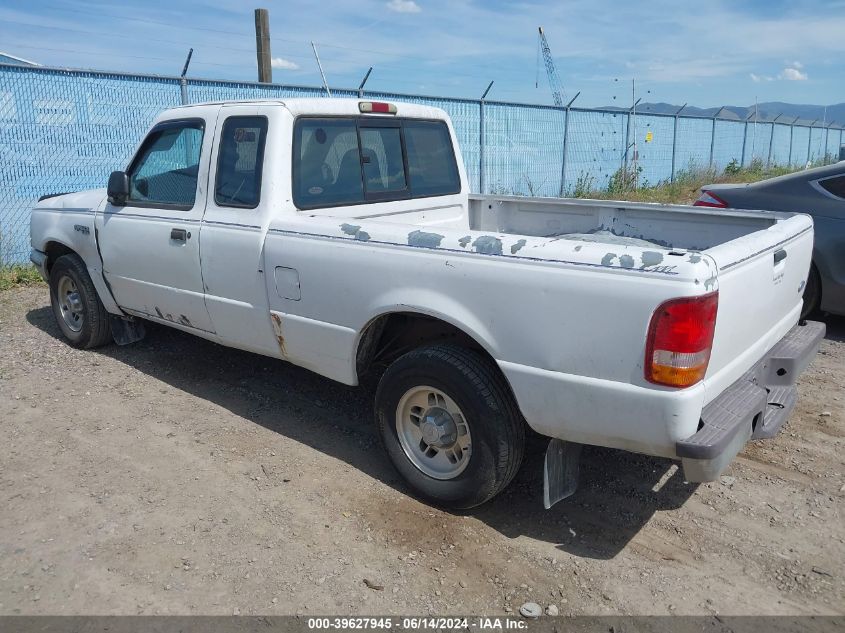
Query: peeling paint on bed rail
column 627, row 257
column 355, row 231
column 488, row 245
column 424, row 240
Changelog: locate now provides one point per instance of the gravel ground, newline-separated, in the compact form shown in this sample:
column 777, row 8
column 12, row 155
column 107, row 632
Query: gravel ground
column 176, row 476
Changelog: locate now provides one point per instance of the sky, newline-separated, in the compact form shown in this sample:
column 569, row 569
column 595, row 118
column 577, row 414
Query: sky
column 706, row 53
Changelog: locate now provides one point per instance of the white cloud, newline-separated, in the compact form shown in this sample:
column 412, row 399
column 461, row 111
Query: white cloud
column 284, row 64
column 792, row 74
column 404, row 6
column 797, row 64
column 758, row 78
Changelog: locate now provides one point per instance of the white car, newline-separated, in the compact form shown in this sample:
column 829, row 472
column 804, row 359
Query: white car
column 339, row 235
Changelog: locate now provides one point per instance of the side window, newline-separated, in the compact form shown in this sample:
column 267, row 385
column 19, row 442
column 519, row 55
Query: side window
column 381, row 156
column 834, row 186
column 431, row 160
column 327, row 163
column 239, row 162
column 165, row 170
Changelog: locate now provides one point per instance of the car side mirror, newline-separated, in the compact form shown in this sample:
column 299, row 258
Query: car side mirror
column 118, row 189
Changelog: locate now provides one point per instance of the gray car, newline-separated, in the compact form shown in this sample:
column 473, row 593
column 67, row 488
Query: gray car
column 819, row 192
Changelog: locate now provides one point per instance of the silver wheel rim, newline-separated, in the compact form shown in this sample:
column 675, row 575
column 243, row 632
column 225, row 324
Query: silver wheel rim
column 433, row 432
column 70, row 303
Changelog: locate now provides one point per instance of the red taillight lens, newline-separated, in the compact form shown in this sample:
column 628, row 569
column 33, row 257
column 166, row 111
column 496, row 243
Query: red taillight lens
column 709, row 199
column 679, row 340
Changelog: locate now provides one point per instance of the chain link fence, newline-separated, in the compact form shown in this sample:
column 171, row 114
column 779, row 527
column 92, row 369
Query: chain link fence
column 66, row 130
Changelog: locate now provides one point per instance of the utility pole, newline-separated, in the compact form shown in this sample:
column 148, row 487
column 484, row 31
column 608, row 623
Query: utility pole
column 262, row 46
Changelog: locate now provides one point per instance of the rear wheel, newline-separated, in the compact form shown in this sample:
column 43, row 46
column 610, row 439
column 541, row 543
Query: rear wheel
column 450, row 425
column 79, row 312
column 812, row 293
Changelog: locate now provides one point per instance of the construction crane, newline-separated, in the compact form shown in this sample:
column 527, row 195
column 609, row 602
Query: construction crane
column 555, row 83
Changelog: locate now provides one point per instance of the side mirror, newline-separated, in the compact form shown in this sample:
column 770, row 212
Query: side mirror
column 118, row 189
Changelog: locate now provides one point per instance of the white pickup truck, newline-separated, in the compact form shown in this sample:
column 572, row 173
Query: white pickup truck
column 339, row 235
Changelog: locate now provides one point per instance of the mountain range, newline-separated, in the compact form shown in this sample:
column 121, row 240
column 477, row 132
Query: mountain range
column 766, row 111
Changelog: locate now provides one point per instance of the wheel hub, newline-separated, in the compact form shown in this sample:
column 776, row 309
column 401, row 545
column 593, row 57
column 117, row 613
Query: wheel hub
column 433, row 432
column 70, row 303
column 438, row 428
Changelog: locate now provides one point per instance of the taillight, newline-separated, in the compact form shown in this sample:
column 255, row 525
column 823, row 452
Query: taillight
column 709, row 199
column 377, row 107
column 679, row 340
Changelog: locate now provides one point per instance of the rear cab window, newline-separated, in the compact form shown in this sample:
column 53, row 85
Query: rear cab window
column 342, row 161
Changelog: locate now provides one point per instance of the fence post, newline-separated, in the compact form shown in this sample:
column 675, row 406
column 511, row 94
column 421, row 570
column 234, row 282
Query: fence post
column 827, row 141
column 744, row 141
column 482, row 180
column 675, row 142
column 363, row 81
column 631, row 112
column 183, row 81
column 565, row 147
column 772, row 140
column 810, row 140
column 627, row 142
column 791, row 136
column 713, row 135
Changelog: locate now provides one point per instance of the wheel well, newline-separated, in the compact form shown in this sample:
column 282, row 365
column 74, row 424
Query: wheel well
column 55, row 250
column 387, row 337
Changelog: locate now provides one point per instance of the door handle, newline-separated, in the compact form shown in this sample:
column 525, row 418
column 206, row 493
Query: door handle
column 178, row 235
column 780, row 256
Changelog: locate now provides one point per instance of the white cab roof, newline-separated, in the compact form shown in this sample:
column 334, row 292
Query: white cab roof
column 323, row 106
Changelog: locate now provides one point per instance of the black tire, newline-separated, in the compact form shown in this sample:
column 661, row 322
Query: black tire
column 496, row 426
column 94, row 326
column 812, row 293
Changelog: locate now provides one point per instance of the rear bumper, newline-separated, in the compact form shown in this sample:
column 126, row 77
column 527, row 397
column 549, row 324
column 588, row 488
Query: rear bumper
column 755, row 406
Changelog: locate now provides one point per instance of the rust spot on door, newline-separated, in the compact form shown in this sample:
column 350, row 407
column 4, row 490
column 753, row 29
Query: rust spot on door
column 277, row 328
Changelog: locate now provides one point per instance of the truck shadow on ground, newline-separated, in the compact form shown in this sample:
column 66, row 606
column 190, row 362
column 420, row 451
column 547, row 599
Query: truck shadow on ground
column 619, row 492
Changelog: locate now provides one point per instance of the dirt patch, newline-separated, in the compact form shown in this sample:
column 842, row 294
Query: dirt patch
column 178, row 476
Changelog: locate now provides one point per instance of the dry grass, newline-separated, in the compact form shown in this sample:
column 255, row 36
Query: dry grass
column 17, row 275
column 684, row 189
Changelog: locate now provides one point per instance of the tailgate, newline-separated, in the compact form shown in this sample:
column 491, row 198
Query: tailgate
column 761, row 278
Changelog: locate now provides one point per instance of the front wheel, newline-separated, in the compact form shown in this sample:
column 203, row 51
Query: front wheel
column 449, row 424
column 79, row 312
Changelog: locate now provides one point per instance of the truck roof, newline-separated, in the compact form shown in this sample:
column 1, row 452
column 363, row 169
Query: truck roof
column 325, row 106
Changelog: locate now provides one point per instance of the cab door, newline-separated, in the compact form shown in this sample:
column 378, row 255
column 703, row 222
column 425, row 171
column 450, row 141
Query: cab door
column 151, row 245
column 237, row 213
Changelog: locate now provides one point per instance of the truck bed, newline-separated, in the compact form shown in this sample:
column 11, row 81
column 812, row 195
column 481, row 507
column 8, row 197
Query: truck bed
column 613, row 222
